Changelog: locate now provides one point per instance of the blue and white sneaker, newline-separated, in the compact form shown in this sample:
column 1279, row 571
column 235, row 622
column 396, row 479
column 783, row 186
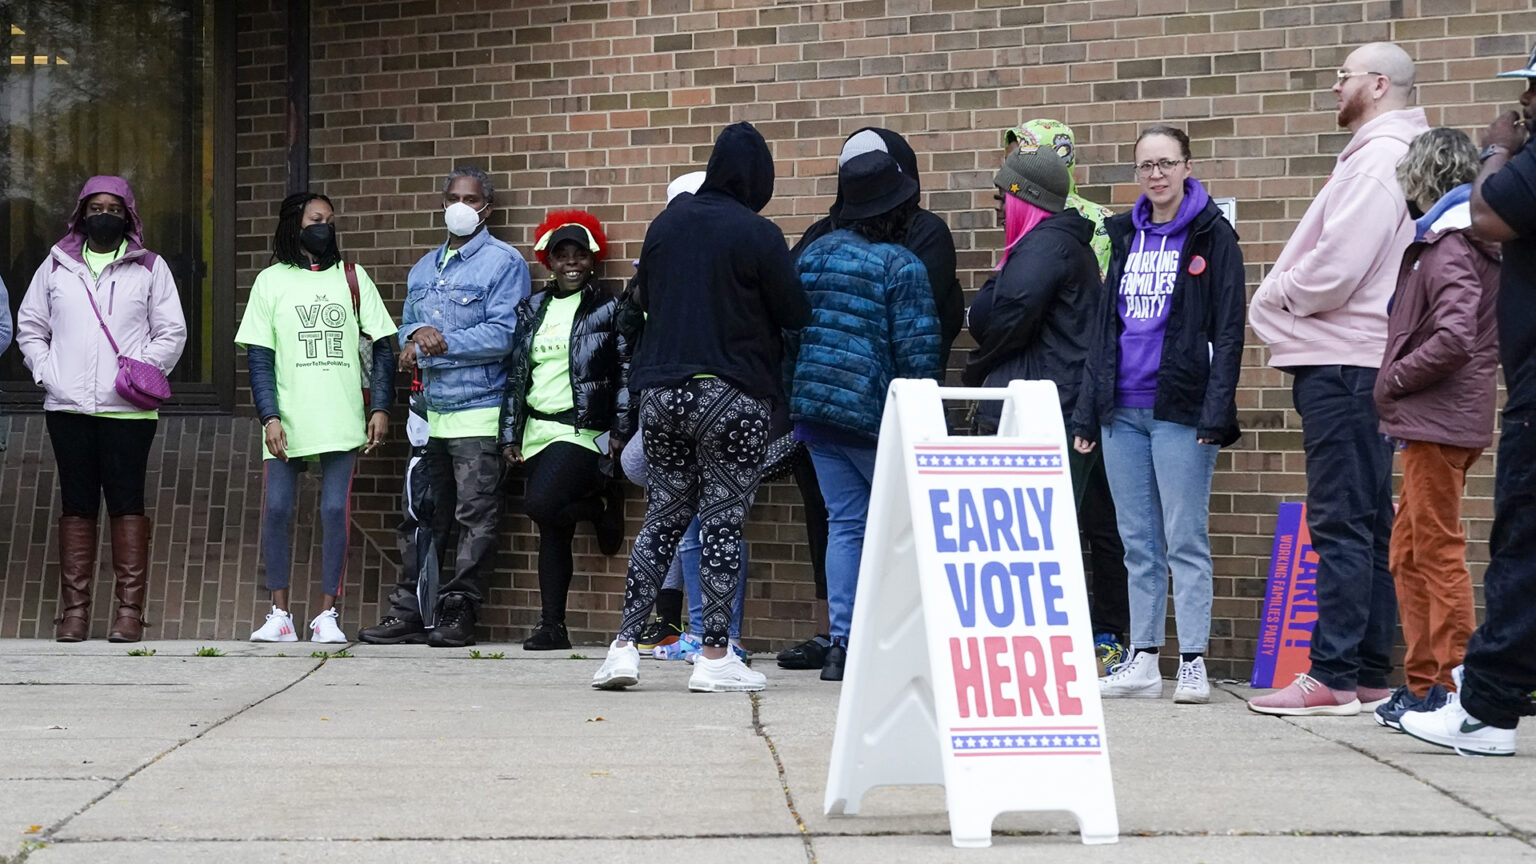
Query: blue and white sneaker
column 1391, row 714
column 685, row 648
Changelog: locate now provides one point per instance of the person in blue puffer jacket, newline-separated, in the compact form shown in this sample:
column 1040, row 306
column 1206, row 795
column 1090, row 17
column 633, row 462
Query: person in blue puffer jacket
column 872, row 321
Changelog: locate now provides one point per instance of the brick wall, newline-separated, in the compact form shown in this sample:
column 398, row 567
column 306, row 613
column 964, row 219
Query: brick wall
column 599, row 105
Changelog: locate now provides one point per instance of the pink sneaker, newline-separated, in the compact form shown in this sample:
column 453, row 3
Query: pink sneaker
column 1307, row 697
column 1372, row 697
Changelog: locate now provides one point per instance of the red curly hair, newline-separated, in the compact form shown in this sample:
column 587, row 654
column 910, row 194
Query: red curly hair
column 568, row 217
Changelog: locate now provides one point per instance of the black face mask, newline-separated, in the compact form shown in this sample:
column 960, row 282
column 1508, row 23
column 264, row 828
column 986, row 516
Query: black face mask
column 105, row 230
column 318, row 239
column 1413, row 209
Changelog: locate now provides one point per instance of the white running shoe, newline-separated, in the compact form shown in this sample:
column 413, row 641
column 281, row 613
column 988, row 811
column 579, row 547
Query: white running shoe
column 325, row 628
column 278, row 628
column 1451, row 726
column 1193, row 687
column 726, row 675
column 620, row 669
column 1138, row 679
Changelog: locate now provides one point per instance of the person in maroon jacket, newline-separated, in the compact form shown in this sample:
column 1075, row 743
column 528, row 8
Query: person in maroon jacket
column 1435, row 397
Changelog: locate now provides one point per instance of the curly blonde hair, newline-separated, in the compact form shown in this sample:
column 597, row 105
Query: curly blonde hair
column 1437, row 161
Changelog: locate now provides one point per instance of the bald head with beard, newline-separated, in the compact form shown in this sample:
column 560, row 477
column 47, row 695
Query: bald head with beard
column 1381, row 80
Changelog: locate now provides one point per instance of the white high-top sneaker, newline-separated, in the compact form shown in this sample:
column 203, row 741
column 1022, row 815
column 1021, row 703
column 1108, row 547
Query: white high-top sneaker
column 1193, row 687
column 1138, row 679
column 278, row 628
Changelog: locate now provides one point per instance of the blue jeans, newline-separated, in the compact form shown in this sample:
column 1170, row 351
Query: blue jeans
column 846, row 475
column 1349, row 512
column 688, row 559
column 1160, row 476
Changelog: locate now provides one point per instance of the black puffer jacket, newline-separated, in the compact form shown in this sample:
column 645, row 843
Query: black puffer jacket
column 600, row 357
column 1202, row 345
column 1032, row 320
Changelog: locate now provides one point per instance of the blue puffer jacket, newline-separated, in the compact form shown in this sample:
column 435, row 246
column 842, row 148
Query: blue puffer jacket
column 472, row 301
column 872, row 320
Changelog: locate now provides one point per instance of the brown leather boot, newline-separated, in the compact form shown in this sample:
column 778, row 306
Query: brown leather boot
column 77, row 566
column 130, row 564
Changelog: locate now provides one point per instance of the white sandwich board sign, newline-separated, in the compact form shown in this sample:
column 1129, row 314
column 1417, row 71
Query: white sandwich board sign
column 971, row 662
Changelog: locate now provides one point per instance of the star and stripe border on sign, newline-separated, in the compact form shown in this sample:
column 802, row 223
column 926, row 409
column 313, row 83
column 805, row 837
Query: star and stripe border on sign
column 1028, row 741
column 1005, row 459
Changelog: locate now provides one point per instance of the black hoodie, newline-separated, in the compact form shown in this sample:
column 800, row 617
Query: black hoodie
column 716, row 280
column 927, row 237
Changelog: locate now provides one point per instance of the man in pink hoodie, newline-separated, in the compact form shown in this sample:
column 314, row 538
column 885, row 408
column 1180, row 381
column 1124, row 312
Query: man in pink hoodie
column 1322, row 310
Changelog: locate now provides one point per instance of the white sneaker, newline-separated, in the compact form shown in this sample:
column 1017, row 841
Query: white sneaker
column 620, row 669
column 325, row 628
column 1138, row 679
column 726, row 675
column 1451, row 726
column 1193, row 688
column 278, row 628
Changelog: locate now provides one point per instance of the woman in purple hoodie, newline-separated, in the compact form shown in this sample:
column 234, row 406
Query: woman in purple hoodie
column 100, row 295
column 1159, row 389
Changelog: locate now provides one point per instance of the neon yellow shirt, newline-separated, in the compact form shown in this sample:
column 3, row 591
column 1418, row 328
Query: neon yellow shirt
column 306, row 318
column 549, row 388
column 470, row 423
column 98, row 261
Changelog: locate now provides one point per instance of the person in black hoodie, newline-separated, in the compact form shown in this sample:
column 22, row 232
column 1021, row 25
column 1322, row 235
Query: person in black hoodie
column 1031, row 320
column 718, row 287
column 567, row 385
column 926, row 236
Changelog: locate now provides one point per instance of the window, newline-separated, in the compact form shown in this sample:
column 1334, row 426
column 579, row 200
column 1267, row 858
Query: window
column 130, row 88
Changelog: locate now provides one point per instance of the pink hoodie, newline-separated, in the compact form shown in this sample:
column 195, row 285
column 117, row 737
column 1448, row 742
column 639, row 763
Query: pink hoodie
column 58, row 334
column 1325, row 300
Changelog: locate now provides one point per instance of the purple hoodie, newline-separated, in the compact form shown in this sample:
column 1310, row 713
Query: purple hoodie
column 1144, row 292
column 73, row 241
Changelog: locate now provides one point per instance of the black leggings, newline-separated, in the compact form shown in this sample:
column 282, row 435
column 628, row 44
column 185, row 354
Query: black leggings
column 100, row 455
column 564, row 488
column 704, row 443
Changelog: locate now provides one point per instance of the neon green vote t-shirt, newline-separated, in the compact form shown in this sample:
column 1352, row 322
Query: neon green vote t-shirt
column 306, row 318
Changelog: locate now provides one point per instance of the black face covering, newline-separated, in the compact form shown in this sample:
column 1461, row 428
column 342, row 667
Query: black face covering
column 105, row 230
column 1413, row 209
column 318, row 239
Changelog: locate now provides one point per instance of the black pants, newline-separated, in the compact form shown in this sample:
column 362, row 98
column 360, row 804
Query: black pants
column 463, row 476
column 1500, row 665
column 100, row 456
column 815, row 522
column 1109, row 607
column 564, row 488
column 1349, row 512
column 704, row 443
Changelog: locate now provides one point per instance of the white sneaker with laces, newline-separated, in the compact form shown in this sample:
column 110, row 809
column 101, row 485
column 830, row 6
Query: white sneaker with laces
column 1193, row 687
column 620, row 669
column 726, row 675
column 326, row 629
column 278, row 628
column 1451, row 726
column 1138, row 679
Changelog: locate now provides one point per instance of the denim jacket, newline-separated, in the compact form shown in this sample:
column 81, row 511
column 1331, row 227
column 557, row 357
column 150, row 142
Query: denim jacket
column 472, row 301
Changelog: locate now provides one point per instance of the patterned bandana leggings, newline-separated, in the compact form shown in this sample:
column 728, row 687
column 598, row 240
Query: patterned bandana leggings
column 705, row 442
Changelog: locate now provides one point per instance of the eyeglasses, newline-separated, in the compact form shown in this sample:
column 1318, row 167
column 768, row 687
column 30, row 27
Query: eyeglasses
column 1345, row 74
column 1145, row 169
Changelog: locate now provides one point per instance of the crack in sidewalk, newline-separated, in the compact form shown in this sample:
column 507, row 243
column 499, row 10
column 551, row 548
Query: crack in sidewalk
column 789, row 797
column 48, row 835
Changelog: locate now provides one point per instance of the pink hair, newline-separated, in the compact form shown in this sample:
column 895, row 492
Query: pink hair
column 1019, row 218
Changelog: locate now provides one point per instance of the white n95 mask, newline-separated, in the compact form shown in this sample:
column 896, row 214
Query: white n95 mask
column 462, row 219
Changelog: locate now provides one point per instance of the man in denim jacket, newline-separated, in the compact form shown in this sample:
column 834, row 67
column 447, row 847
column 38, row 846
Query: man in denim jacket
column 457, row 329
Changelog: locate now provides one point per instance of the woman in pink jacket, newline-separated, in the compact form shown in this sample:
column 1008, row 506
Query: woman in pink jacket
column 98, row 279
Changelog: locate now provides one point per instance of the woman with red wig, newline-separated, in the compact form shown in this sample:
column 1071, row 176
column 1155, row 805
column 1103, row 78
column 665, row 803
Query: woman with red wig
column 568, row 385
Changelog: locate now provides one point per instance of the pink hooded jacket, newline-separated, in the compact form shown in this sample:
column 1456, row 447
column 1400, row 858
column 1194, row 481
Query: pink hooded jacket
column 1325, row 300
column 58, row 334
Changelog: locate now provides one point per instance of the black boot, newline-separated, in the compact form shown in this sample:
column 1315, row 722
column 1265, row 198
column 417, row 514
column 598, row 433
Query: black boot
column 810, row 654
column 837, row 657
column 548, row 636
column 393, row 630
column 455, row 623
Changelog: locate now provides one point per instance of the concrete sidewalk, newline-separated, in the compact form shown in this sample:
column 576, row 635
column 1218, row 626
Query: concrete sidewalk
column 413, row 754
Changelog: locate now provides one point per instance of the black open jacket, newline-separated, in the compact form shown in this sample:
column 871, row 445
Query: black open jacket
column 1202, row 345
column 600, row 357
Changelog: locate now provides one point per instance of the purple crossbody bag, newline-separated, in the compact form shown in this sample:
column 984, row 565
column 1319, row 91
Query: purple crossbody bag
column 141, row 384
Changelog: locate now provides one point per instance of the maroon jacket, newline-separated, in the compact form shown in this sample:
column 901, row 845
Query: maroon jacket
column 1438, row 377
